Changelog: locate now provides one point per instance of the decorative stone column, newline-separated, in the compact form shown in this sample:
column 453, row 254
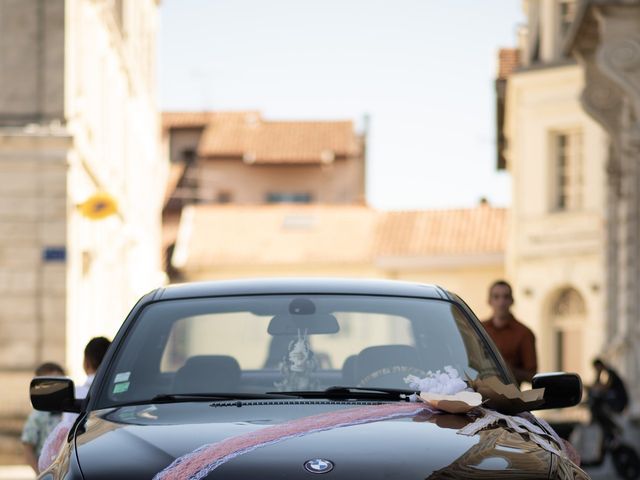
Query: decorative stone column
column 606, row 40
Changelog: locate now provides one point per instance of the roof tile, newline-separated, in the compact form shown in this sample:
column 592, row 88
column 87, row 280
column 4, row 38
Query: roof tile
column 277, row 234
column 297, row 234
column 433, row 232
column 247, row 135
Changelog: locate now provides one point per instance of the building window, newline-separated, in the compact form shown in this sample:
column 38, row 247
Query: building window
column 567, row 14
column 566, row 152
column 282, row 197
column 224, row 196
column 567, row 324
column 188, row 156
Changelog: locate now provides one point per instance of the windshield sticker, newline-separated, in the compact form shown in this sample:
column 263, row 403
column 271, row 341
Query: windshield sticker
column 121, row 387
column 122, row 377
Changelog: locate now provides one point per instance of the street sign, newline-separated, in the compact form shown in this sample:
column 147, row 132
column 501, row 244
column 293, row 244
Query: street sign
column 54, row 254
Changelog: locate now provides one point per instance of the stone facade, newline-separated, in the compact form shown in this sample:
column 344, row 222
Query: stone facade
column 33, row 166
column 32, row 55
column 605, row 38
column 556, row 155
column 551, row 250
column 583, row 262
column 77, row 116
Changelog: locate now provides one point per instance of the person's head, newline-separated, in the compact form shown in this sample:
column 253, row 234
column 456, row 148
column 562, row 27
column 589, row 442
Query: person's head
column 598, row 364
column 94, row 353
column 500, row 298
column 49, row 369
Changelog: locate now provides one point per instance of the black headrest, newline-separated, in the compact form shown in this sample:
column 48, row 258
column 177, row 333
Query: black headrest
column 207, row 374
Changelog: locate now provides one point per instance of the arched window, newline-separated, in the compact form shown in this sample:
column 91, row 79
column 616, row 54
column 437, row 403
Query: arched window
column 568, row 314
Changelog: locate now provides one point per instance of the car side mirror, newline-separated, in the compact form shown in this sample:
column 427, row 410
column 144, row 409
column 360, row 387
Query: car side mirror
column 53, row 394
column 560, row 389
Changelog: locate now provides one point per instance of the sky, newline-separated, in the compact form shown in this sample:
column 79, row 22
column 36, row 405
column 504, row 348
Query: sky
column 422, row 71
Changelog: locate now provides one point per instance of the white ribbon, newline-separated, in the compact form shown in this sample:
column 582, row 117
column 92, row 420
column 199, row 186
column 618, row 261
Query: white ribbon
column 539, row 436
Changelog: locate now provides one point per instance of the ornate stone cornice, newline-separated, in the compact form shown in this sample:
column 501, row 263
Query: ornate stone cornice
column 619, row 59
column 601, row 97
column 606, row 40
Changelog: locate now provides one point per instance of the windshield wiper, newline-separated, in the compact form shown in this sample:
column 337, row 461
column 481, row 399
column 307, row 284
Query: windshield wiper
column 195, row 397
column 204, row 397
column 337, row 391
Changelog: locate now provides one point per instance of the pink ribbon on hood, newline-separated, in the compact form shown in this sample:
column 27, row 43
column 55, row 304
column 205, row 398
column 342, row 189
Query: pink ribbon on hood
column 199, row 463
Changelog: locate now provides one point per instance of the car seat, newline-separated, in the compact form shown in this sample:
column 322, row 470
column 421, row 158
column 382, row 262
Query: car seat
column 208, row 374
column 349, row 371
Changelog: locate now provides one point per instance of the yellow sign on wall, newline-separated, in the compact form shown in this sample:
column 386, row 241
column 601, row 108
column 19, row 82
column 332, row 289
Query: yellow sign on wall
column 98, row 206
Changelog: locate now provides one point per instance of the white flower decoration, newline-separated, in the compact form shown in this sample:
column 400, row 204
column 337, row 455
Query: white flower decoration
column 444, row 383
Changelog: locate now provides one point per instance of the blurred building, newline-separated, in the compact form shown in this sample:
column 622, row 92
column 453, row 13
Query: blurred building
column 249, row 197
column 82, row 178
column 462, row 250
column 570, row 142
column 555, row 153
column 240, row 158
column 604, row 38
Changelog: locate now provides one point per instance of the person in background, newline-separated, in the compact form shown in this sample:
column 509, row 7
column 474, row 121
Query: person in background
column 40, row 424
column 94, row 352
column 607, row 396
column 516, row 342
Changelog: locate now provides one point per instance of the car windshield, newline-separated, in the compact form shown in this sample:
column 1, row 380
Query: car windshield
column 282, row 343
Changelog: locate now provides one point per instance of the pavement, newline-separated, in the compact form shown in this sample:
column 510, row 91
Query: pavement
column 16, row 472
column 602, row 472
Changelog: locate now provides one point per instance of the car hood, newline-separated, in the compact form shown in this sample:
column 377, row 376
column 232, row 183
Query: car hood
column 140, row 441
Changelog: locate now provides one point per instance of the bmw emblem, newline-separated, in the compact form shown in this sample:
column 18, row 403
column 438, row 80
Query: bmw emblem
column 318, row 465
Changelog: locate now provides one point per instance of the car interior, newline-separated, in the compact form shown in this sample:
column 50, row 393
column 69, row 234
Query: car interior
column 155, row 368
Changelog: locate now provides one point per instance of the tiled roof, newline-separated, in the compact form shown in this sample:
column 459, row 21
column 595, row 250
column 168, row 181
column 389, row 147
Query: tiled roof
column 202, row 119
column 184, row 119
column 508, row 61
column 279, row 142
column 274, row 234
column 442, row 232
column 248, row 136
column 217, row 235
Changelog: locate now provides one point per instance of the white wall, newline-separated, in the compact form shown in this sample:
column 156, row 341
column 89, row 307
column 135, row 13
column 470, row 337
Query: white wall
column 111, row 110
column 550, row 250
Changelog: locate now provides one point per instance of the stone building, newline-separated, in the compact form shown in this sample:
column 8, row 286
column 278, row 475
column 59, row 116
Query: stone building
column 605, row 38
column 244, row 159
column 556, row 155
column 462, row 250
column 571, row 128
column 79, row 134
column 240, row 158
column 252, row 197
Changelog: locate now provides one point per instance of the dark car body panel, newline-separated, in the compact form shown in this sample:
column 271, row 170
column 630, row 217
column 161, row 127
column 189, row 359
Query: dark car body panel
column 420, row 445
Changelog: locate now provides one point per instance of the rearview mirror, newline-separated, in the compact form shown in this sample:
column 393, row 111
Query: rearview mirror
column 53, row 394
column 316, row 323
column 560, row 389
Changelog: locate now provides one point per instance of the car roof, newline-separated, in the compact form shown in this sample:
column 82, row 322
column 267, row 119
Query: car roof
column 295, row 285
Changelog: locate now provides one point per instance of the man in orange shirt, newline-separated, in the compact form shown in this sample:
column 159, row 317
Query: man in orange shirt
column 516, row 342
